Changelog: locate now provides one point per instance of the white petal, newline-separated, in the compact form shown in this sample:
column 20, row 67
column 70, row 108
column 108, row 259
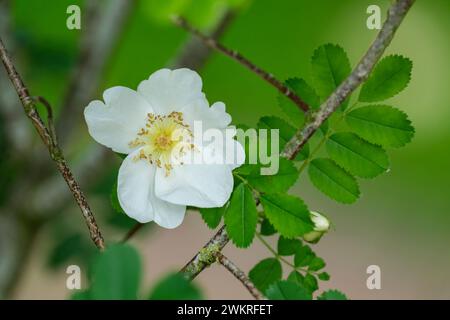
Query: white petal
column 171, row 90
column 116, row 122
column 136, row 194
column 199, row 185
column 210, row 117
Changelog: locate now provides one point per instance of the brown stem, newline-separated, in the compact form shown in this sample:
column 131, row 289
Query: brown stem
column 56, row 154
column 212, row 43
column 240, row 275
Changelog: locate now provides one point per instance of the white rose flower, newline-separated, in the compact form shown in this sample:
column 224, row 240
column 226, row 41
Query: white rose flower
column 321, row 226
column 154, row 127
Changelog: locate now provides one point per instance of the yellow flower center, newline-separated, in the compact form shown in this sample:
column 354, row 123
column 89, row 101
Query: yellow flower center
column 164, row 140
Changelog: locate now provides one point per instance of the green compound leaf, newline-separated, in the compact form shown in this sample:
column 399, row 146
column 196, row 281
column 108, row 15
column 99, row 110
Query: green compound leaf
column 287, row 290
column 265, row 273
column 116, row 274
column 356, row 155
column 286, row 132
column 333, row 181
column 286, row 176
column 241, row 217
column 288, row 214
column 287, row 247
column 175, row 287
column 330, row 66
column 212, row 216
column 391, row 75
column 381, row 124
column 332, row 295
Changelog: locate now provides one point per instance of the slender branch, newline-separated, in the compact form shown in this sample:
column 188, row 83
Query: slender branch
column 240, row 275
column 212, row 43
column 52, row 146
column 195, row 52
column 207, row 255
column 396, row 14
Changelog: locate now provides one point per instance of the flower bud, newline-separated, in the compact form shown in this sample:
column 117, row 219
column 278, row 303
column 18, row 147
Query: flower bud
column 321, row 225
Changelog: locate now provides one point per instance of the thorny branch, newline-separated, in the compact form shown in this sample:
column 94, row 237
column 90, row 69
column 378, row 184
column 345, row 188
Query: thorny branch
column 206, row 256
column 240, row 275
column 212, row 43
column 56, row 154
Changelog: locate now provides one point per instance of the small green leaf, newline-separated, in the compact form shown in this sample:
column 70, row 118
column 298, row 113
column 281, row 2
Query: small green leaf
column 381, row 124
column 286, row 132
column 265, row 273
column 330, row 66
column 310, row 283
column 316, row 264
column 287, row 247
column 287, row 290
column 288, row 214
column 390, row 76
column 286, row 176
column 302, row 89
column 296, row 277
column 212, row 216
column 116, row 274
column 241, row 217
column 175, row 287
column 356, row 155
column 324, row 276
column 333, row 181
column 303, row 256
column 267, row 228
column 332, row 295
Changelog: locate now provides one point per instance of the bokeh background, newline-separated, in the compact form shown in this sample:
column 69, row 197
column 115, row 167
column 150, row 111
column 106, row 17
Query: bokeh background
column 401, row 222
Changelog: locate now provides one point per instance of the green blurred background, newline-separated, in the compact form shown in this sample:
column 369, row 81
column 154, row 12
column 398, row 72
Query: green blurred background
column 402, row 221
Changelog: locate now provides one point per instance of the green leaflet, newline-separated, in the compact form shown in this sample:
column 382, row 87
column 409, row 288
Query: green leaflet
column 267, row 228
column 287, row 290
column 302, row 89
column 330, row 66
column 265, row 273
column 212, row 216
column 287, row 247
column 116, row 274
column 175, row 287
column 286, row 176
column 381, row 124
column 309, row 282
column 390, row 76
column 333, row 181
column 288, row 214
column 332, row 295
column 286, row 132
column 303, row 256
column 356, row 155
column 324, row 276
column 316, row 264
column 241, row 217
